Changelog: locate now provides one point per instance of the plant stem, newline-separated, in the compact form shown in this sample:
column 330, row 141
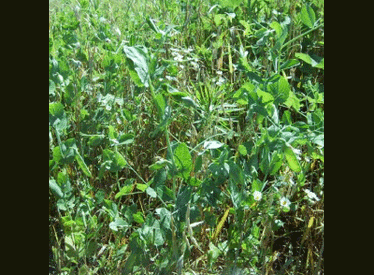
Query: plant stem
column 299, row 36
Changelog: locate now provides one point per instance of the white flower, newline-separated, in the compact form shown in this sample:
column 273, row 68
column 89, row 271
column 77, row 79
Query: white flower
column 177, row 56
column 284, row 202
column 194, row 65
column 117, row 30
column 257, row 195
column 312, row 196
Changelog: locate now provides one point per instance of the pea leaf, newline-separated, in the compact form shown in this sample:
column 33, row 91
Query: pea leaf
column 151, row 192
column 127, row 188
column 280, row 89
column 212, row 144
column 292, row 161
column 138, row 56
column 56, row 190
column 138, row 217
column 142, row 187
column 308, row 16
column 183, row 160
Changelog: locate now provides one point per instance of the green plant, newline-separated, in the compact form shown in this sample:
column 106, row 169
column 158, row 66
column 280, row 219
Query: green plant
column 189, row 139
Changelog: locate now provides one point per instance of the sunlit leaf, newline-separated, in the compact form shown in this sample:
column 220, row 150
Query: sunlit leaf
column 212, row 144
column 308, row 16
column 127, row 188
column 138, row 217
column 138, row 55
column 291, row 158
column 56, row 190
column 183, row 160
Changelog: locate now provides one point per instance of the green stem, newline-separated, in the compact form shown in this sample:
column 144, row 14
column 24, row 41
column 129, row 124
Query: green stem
column 151, row 88
column 172, row 160
column 299, row 36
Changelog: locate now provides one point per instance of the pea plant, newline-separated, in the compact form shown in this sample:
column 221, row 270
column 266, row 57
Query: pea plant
column 186, row 137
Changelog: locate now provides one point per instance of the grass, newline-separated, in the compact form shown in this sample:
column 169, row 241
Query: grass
column 186, row 137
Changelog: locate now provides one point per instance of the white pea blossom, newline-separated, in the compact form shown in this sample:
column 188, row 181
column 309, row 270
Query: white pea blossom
column 284, row 202
column 311, row 195
column 257, row 195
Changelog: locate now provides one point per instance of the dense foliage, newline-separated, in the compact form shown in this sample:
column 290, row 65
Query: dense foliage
column 186, row 137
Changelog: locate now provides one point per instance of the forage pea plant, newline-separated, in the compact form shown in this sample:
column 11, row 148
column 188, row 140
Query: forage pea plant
column 186, row 138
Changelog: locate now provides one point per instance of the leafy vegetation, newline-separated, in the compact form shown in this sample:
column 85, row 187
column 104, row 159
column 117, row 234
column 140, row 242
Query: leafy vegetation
column 186, row 137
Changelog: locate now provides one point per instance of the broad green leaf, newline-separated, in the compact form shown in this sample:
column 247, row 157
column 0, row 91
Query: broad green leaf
column 265, row 97
column 219, row 171
column 70, row 248
column 142, row 187
column 183, row 198
column 280, row 89
column 242, row 150
column 236, row 173
column 112, row 134
column 289, row 64
column 56, row 190
column 213, row 253
column 138, row 217
column 52, row 87
column 119, row 162
column 246, row 90
column 56, row 154
column 135, row 77
column 183, row 160
column 247, row 27
column 96, row 140
column 124, row 139
column 151, row 192
column 57, row 116
column 236, row 193
column 291, row 158
column 127, row 188
column 150, row 232
column 160, row 104
column 293, row 101
column 165, row 120
column 229, row 3
column 218, row 18
column 275, row 163
column 113, row 161
column 318, row 139
column 194, row 182
column 277, row 27
column 111, row 208
column 65, row 153
column 313, row 62
column 189, row 102
column 159, row 164
column 117, row 224
column 198, row 163
column 257, row 185
column 152, row 25
column 305, row 57
column 321, row 64
column 138, row 55
column 165, row 218
column 212, row 144
column 308, row 16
